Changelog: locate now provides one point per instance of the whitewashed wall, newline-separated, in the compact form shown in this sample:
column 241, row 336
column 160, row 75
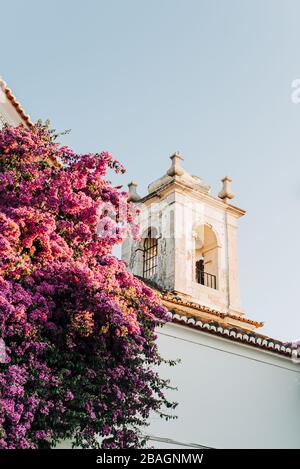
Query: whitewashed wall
column 230, row 395
column 8, row 114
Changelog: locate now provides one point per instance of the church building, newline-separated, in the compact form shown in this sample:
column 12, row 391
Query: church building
column 236, row 387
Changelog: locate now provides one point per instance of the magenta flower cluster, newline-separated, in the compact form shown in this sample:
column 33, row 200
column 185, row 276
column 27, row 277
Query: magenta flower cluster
column 79, row 330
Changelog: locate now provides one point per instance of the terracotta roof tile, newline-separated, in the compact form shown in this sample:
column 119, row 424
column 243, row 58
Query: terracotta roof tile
column 235, row 334
column 10, row 96
column 205, row 309
column 217, row 325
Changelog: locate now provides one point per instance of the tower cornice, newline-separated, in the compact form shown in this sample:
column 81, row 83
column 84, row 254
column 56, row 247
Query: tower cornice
column 177, row 185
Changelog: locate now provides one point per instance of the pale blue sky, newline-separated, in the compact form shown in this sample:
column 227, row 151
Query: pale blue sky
column 210, row 78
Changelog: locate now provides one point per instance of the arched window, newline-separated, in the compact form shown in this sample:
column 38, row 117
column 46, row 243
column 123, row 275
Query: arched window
column 150, row 255
column 206, row 257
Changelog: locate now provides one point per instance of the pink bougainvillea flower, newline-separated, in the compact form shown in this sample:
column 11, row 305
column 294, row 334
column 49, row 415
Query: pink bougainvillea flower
column 79, row 331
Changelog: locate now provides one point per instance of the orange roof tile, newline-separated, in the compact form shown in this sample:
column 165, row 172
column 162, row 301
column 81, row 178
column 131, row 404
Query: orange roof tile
column 172, row 298
column 10, row 96
column 236, row 334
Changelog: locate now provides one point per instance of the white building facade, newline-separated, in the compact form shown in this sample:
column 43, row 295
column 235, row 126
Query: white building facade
column 236, row 388
column 230, row 394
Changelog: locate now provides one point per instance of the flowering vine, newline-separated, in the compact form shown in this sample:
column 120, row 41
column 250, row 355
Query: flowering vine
column 79, row 330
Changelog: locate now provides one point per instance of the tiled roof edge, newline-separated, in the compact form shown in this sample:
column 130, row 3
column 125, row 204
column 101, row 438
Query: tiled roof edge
column 10, row 96
column 206, row 309
column 236, row 335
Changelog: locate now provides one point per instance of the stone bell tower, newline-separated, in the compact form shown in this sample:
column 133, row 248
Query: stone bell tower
column 188, row 241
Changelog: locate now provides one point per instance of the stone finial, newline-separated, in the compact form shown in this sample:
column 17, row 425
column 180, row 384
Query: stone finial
column 133, row 196
column 175, row 168
column 226, row 193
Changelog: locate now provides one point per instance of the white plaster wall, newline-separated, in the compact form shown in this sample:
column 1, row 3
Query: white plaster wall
column 230, row 395
column 8, row 114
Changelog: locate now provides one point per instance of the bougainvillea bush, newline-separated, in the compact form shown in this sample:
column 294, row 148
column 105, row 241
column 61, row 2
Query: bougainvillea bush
column 79, row 330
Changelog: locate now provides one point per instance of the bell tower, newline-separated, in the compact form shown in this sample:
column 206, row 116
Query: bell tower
column 188, row 242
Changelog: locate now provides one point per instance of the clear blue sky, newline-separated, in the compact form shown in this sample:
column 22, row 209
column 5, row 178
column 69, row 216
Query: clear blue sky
column 210, row 78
